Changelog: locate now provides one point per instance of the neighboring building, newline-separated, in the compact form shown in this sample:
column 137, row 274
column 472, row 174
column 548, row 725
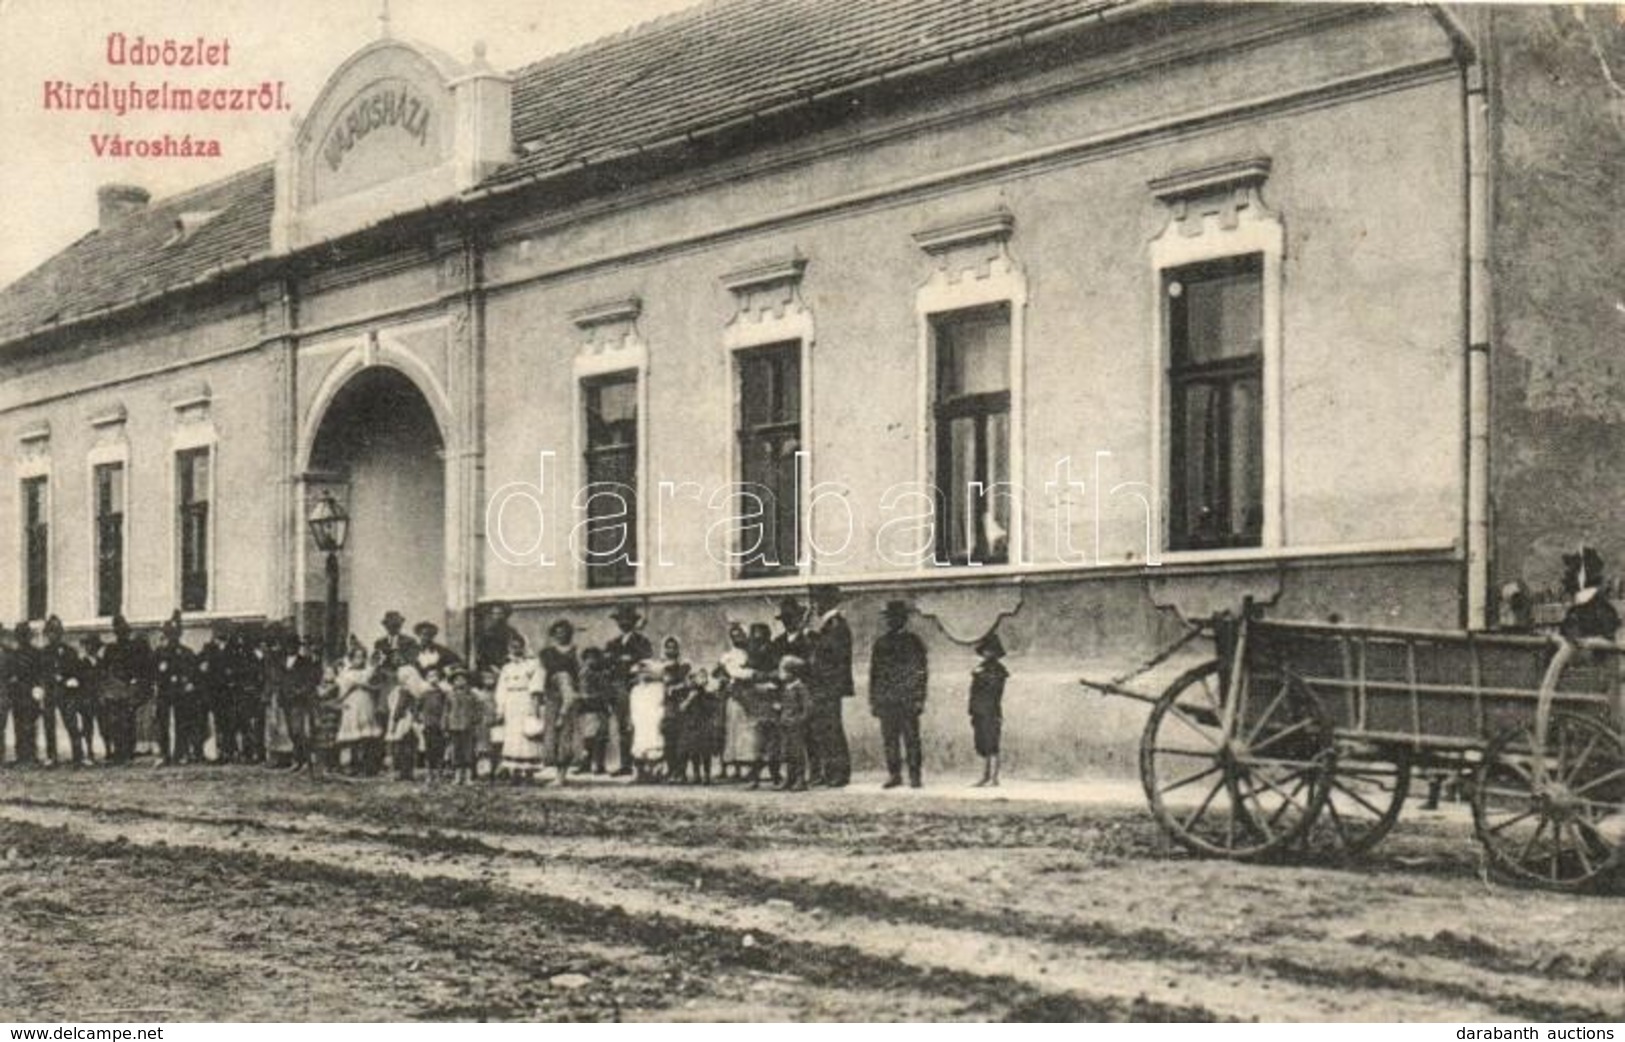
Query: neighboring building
column 1271, row 301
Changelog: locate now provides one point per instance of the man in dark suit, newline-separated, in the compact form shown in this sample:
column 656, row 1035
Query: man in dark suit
column 127, row 675
column 175, row 670
column 496, row 637
column 214, row 696
column 432, row 654
column 897, row 686
column 397, row 648
column 831, row 683
column 623, row 652
column 59, row 676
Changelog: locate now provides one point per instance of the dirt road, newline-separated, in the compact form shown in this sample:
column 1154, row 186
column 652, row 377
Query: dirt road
column 240, row 894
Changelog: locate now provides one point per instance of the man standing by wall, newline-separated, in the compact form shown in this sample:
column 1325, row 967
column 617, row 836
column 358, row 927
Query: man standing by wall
column 897, row 685
column 831, row 685
column 127, row 675
column 623, row 652
column 59, row 675
column 176, row 670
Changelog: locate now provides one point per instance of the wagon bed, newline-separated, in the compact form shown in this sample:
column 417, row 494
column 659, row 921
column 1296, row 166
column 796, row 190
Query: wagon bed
column 1303, row 736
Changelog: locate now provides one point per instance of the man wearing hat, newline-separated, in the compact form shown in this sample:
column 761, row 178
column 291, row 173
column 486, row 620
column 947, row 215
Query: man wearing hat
column 432, row 654
column 20, row 677
column 397, row 648
column 623, row 652
column 127, row 673
column 59, row 676
column 831, row 683
column 897, row 686
column 175, row 671
column 214, row 697
column 496, row 637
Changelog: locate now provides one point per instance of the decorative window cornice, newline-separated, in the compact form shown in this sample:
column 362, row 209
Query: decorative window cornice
column 1225, row 191
column 610, row 340
column 35, row 433
column 767, row 274
column 993, row 227
column 114, row 416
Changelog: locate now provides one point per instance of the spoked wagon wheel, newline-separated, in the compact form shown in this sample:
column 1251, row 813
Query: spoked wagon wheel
column 1243, row 794
column 1362, row 802
column 1553, row 817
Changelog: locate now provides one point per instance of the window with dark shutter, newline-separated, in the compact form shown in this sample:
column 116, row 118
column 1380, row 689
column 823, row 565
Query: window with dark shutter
column 611, row 468
column 769, row 438
column 193, row 489
column 36, row 547
column 972, row 416
column 1215, row 352
column 109, row 498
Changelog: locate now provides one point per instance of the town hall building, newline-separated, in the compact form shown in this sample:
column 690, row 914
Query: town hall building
column 1081, row 319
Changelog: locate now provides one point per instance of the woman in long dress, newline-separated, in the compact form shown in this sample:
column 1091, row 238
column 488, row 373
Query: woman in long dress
column 740, row 746
column 561, row 671
column 358, row 713
column 520, row 689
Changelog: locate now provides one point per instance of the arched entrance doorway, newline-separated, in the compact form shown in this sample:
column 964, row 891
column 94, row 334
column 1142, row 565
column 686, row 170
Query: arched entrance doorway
column 379, row 439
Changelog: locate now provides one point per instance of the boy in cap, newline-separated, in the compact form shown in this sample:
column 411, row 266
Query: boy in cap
column 987, row 704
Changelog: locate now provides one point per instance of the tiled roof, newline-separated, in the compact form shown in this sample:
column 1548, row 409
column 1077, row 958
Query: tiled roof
column 681, row 75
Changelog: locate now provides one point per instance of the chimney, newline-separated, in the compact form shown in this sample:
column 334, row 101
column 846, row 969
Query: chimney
column 116, row 202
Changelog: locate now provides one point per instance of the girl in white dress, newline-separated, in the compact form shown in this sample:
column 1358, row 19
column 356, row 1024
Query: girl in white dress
column 358, row 713
column 521, row 687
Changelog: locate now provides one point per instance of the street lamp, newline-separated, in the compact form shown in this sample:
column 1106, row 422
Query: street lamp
column 330, row 526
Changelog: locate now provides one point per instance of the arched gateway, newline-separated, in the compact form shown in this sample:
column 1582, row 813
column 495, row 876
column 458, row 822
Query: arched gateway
column 379, row 447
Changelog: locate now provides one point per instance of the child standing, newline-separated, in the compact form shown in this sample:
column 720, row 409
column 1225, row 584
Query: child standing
column 598, row 681
column 402, row 733
column 488, row 729
column 795, row 710
column 674, row 672
column 987, row 705
column 432, row 714
column 462, row 723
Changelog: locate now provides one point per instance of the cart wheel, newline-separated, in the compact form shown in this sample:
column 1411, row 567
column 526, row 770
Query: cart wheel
column 1362, row 803
column 1556, row 819
column 1242, row 795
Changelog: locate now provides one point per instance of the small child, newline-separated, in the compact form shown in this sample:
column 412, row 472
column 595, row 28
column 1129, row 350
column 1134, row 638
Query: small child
column 401, row 733
column 679, row 687
column 463, row 721
column 795, row 709
column 488, row 731
column 598, row 682
column 324, row 730
column 987, row 705
column 432, row 716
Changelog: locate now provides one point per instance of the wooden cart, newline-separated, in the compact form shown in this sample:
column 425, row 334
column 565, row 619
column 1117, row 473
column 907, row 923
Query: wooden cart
column 1303, row 736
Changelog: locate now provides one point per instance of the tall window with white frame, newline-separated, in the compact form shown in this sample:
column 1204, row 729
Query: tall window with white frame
column 1215, row 374
column 108, row 479
column 36, row 547
column 611, row 469
column 193, row 488
column 769, row 438
column 972, row 420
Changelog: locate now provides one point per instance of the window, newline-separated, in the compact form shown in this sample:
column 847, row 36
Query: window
column 972, row 416
column 1215, row 352
column 769, row 438
column 108, row 479
column 612, row 473
column 36, row 547
column 193, row 486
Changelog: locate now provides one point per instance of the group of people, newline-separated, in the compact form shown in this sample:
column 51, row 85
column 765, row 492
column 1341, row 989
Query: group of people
column 769, row 710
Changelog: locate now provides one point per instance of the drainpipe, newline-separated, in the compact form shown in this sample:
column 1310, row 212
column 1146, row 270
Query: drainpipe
column 1479, row 333
column 1476, row 116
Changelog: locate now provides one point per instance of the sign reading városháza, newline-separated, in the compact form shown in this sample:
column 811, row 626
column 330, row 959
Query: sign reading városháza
column 392, row 106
